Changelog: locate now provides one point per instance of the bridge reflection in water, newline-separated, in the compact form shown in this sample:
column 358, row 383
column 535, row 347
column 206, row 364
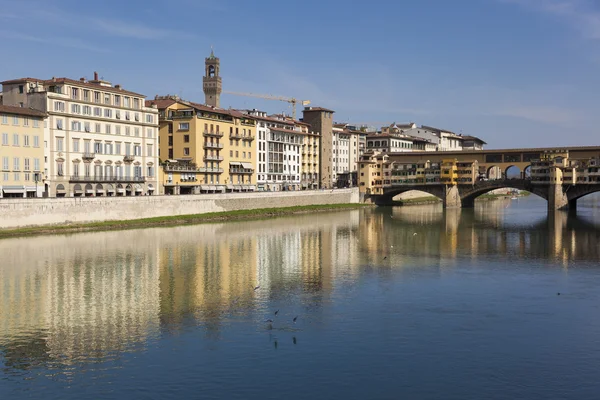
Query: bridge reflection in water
column 91, row 297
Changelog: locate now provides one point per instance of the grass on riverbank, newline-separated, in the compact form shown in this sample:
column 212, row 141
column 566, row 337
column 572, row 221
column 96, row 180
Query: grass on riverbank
column 492, row 196
column 173, row 220
column 417, row 201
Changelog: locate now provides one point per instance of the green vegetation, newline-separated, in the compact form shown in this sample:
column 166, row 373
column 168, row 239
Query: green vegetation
column 173, row 220
column 418, row 201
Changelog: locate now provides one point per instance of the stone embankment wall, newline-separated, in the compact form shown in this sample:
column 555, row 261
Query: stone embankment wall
column 18, row 213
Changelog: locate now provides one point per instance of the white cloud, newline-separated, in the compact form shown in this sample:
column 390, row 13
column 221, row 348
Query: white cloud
column 582, row 15
column 53, row 40
column 130, row 29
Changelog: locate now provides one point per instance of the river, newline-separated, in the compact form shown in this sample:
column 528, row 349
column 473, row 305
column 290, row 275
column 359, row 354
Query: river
column 497, row 302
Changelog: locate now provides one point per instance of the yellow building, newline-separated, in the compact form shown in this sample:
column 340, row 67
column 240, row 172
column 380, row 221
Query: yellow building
column 449, row 173
column 310, row 157
column 204, row 149
column 21, row 152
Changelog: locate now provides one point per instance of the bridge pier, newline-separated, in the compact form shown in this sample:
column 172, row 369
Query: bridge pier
column 452, row 197
column 557, row 199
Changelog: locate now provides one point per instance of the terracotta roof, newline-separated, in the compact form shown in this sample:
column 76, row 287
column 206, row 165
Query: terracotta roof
column 161, row 104
column 309, row 109
column 387, row 135
column 74, row 82
column 475, row 138
column 431, row 128
column 21, row 111
column 21, row 80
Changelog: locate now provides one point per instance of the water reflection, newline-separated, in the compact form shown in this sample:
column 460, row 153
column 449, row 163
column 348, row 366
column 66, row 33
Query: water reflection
column 85, row 298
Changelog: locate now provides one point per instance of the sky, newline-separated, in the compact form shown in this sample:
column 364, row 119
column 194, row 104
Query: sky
column 516, row 73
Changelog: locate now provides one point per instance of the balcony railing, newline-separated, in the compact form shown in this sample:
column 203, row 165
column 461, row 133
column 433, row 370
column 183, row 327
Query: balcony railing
column 248, row 137
column 211, row 145
column 128, row 158
column 75, row 178
column 210, row 170
column 88, row 156
column 213, row 134
column 240, row 171
column 213, row 158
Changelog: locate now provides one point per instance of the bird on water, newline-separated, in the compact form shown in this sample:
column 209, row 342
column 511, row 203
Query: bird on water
column 276, row 312
column 295, row 318
column 256, row 288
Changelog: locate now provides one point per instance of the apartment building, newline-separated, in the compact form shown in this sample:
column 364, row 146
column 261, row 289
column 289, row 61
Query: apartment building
column 279, row 146
column 21, row 152
column 99, row 139
column 205, row 149
column 311, row 145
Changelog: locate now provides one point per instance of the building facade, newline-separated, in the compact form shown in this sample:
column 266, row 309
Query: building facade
column 321, row 121
column 21, row 152
column 99, row 139
column 205, row 149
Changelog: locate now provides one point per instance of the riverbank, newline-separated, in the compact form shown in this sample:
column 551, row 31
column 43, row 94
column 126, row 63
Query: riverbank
column 418, row 201
column 496, row 196
column 193, row 219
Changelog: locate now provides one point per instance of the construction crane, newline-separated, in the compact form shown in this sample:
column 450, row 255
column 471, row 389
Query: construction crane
column 290, row 100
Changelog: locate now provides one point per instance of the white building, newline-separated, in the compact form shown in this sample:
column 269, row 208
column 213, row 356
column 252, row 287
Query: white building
column 279, row 147
column 100, row 140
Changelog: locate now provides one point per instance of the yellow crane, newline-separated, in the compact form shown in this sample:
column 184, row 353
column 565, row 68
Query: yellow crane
column 290, row 100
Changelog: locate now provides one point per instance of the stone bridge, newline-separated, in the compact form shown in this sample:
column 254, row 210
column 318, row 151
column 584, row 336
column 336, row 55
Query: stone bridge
column 558, row 196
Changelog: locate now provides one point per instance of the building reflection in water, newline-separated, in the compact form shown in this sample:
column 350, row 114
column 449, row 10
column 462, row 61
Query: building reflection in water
column 85, row 297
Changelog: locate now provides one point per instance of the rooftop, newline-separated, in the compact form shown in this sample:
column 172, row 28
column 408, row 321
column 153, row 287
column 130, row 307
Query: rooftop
column 21, row 111
column 315, row 109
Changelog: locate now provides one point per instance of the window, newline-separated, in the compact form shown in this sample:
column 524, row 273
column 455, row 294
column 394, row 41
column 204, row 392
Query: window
column 59, row 106
column 97, row 128
column 36, row 164
column 97, row 111
column 237, row 154
column 21, row 89
column 127, row 131
column 137, row 150
column 86, row 126
column 98, row 147
column 5, row 162
column 117, row 100
column 149, row 133
column 230, row 153
column 186, row 138
column 107, row 113
column 86, row 95
column 75, row 169
column 16, row 164
column 117, row 114
column 16, row 139
column 25, row 121
column 87, row 110
column 96, row 97
column 26, row 140
column 149, row 150
column 5, row 119
column 150, row 172
column 126, row 102
column 244, row 154
column 74, row 93
column 59, row 168
column 118, row 149
column 59, row 124
column 249, row 154
column 149, row 118
column 76, row 126
column 26, row 166
column 76, row 145
column 186, row 151
column 127, row 115
column 184, row 126
column 108, row 148
column 108, row 128
column 17, row 176
column 5, row 139
column 60, row 144
column 106, row 98
column 136, row 103
column 36, row 141
column 136, row 131
column 15, row 120
column 137, row 116
column 118, row 129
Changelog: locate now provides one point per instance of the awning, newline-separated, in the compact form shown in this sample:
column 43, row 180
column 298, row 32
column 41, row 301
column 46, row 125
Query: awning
column 244, row 187
column 247, row 165
column 120, row 190
column 230, row 187
column 221, row 189
column 237, row 187
column 235, row 164
column 204, row 187
column 111, row 189
column 212, row 188
column 13, row 189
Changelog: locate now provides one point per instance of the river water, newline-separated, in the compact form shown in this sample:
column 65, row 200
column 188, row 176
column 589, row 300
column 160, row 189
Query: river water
column 499, row 302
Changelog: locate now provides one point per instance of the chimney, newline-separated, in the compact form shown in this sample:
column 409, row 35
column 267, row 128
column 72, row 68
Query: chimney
column 82, row 80
column 95, row 76
column 117, row 86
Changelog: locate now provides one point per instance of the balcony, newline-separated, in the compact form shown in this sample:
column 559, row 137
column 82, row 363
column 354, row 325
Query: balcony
column 213, row 134
column 210, row 170
column 213, row 158
column 241, row 171
column 235, row 135
column 88, row 156
column 211, row 145
column 108, row 179
column 128, row 158
column 248, row 138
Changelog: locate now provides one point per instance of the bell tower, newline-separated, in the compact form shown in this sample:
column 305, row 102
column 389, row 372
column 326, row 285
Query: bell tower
column 212, row 81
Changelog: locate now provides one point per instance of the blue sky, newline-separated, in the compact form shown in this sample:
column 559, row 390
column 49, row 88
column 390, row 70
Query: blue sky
column 513, row 72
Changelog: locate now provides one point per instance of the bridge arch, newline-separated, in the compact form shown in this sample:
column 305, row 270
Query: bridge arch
column 513, row 171
column 389, row 193
column 576, row 192
column 468, row 195
column 493, row 172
